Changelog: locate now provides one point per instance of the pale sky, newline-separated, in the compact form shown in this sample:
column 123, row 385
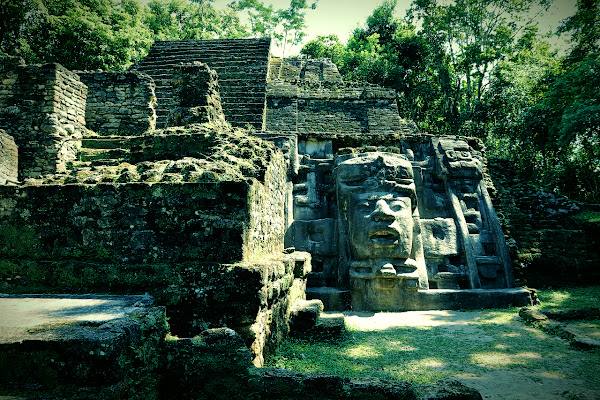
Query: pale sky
column 338, row 17
column 341, row 17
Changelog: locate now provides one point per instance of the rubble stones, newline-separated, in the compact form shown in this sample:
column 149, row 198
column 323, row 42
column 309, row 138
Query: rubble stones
column 8, row 159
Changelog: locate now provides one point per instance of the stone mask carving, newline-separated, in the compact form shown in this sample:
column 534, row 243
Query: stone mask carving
column 377, row 192
column 380, row 225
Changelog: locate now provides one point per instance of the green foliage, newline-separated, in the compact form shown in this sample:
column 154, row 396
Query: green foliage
column 592, row 217
column 285, row 25
column 80, row 34
column 113, row 34
column 468, row 39
column 182, row 20
column 584, row 26
column 18, row 242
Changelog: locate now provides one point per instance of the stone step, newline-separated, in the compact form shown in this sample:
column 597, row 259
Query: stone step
column 489, row 266
column 448, row 280
column 81, row 164
column 487, row 260
column 113, row 142
column 307, row 319
column 95, row 154
column 77, row 345
column 332, row 298
column 244, row 56
column 182, row 48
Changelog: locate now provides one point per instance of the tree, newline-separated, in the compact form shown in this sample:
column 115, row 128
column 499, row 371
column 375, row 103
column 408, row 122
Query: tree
column 584, row 26
column 469, row 38
column 387, row 52
column 549, row 111
column 285, row 25
column 181, row 20
column 80, row 34
column 513, row 115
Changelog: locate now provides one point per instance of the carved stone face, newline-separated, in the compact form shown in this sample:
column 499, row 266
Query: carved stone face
column 459, row 158
column 380, row 225
column 377, row 192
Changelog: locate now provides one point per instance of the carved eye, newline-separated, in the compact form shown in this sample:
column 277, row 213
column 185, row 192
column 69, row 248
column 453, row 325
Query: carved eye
column 363, row 205
column 397, row 205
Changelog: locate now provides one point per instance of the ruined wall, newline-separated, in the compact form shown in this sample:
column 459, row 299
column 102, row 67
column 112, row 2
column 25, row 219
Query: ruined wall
column 549, row 245
column 9, row 157
column 119, row 103
column 314, row 70
column 241, row 65
column 210, row 252
column 267, row 227
column 305, row 106
column 196, row 94
column 43, row 108
column 130, row 224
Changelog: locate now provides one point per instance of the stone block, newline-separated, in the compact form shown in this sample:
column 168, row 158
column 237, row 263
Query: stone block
column 440, row 238
column 9, row 158
column 75, row 345
column 304, row 315
column 315, row 236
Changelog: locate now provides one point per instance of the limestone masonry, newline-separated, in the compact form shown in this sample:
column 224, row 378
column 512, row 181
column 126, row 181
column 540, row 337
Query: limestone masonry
column 228, row 186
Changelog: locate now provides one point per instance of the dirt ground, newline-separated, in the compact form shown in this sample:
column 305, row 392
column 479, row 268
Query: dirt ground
column 558, row 379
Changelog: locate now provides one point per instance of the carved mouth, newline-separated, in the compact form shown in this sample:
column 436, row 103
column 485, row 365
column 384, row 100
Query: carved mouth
column 384, row 237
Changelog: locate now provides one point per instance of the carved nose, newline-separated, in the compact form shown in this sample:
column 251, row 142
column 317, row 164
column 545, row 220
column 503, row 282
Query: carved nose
column 382, row 212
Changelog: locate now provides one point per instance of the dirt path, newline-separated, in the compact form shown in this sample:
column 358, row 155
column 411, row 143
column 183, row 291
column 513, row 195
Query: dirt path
column 543, row 368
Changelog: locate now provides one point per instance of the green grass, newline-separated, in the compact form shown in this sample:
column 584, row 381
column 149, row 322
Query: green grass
column 495, row 341
column 588, row 216
column 573, row 297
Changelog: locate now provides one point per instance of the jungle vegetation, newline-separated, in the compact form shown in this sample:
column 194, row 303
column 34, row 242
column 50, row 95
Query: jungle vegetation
column 469, row 67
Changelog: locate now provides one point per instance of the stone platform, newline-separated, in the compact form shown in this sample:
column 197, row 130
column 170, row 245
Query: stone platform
column 420, row 300
column 78, row 346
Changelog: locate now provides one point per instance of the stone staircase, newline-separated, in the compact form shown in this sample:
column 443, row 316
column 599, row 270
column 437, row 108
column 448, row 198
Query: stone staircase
column 98, row 151
column 111, row 150
column 242, row 66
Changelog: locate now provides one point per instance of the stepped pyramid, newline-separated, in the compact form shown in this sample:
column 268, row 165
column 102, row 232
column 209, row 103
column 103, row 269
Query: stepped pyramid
column 241, row 65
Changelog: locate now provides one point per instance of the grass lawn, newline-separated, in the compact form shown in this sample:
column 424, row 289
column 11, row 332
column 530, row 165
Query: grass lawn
column 488, row 349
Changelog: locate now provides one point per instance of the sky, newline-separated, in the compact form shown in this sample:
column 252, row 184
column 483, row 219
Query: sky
column 341, row 17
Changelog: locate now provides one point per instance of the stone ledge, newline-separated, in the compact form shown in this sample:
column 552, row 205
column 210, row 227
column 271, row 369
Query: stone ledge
column 73, row 345
column 547, row 321
column 444, row 299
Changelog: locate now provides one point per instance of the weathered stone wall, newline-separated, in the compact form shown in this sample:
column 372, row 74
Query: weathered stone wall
column 9, row 157
column 196, row 93
column 210, row 252
column 242, row 66
column 65, row 351
column 130, row 224
column 43, row 108
column 314, row 70
column 266, row 231
column 548, row 245
column 305, row 106
column 119, row 103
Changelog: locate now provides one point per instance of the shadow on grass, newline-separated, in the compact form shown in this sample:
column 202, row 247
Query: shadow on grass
column 476, row 348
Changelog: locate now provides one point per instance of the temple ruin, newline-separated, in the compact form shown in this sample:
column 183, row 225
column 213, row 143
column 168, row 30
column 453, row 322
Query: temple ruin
column 228, row 185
